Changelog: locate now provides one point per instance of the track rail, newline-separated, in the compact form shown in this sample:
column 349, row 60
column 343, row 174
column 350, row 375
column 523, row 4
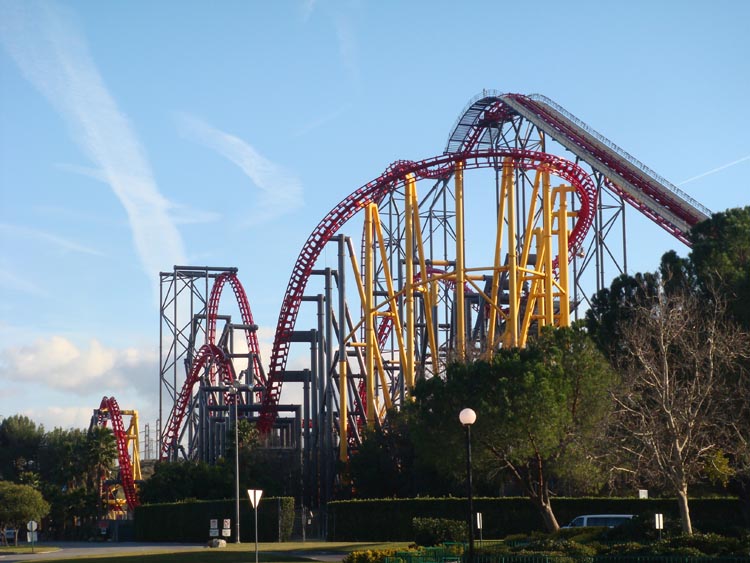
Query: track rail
column 641, row 187
column 210, row 356
column 110, row 410
column 245, row 313
column 436, row 167
column 214, row 357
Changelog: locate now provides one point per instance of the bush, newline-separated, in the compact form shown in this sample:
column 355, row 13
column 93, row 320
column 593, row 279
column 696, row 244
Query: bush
column 708, row 544
column 434, row 531
column 369, row 556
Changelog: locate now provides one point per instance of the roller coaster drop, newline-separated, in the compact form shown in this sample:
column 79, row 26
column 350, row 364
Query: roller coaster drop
column 423, row 291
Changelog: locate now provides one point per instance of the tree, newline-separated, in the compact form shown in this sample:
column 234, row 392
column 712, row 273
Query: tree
column 19, row 443
column 72, row 463
column 18, row 505
column 613, row 306
column 180, row 480
column 680, row 362
column 721, row 257
column 99, row 453
column 541, row 413
column 386, row 464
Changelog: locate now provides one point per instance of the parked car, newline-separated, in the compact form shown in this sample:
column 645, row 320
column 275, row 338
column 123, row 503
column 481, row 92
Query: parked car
column 608, row 520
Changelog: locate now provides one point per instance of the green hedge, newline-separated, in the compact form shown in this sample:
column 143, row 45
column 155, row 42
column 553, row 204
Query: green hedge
column 391, row 519
column 189, row 521
column 437, row 531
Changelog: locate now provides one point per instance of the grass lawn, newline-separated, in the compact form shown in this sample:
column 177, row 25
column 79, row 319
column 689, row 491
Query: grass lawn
column 289, row 552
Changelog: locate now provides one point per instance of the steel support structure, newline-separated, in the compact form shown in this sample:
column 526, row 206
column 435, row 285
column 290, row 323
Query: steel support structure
column 425, row 284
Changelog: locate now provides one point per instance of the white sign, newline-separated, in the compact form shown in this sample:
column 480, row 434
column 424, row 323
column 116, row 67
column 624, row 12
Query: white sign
column 226, row 532
column 31, row 537
column 659, row 521
column 214, row 523
column 254, row 495
column 227, row 523
column 214, row 532
column 479, row 520
column 32, row 526
column 642, row 493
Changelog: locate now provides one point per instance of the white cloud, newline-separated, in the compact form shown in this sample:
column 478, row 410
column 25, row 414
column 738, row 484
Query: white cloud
column 715, row 170
column 43, row 41
column 61, row 417
column 280, row 191
column 180, row 214
column 65, row 244
column 56, row 363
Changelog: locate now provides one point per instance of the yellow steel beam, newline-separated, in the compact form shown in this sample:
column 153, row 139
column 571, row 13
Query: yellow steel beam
column 562, row 257
column 392, row 296
column 511, row 330
column 429, row 296
column 409, row 282
column 370, row 337
column 497, row 262
column 460, row 300
column 549, row 309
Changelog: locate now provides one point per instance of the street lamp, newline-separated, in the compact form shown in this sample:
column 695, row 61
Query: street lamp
column 236, row 392
column 467, row 418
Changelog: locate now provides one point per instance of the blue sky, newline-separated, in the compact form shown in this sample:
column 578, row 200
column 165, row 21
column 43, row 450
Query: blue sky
column 138, row 135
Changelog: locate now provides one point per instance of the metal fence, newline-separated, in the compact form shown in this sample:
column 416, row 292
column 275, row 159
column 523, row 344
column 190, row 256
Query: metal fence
column 441, row 555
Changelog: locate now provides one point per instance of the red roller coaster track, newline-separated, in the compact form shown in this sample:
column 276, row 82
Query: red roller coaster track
column 641, row 187
column 212, row 356
column 112, row 409
column 635, row 183
column 625, row 176
column 441, row 166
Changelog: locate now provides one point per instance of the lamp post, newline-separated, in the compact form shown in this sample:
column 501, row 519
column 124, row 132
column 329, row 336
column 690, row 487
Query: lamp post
column 468, row 417
column 236, row 391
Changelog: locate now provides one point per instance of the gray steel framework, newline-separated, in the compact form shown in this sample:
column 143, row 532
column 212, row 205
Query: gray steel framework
column 334, row 311
column 208, row 418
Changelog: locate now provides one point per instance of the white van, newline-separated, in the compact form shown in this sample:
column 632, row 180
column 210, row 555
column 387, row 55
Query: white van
column 608, row 520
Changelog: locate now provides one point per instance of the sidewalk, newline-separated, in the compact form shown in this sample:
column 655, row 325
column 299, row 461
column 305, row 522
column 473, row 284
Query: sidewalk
column 91, row 549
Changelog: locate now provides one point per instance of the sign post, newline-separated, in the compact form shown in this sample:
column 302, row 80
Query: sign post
column 32, row 527
column 659, row 523
column 254, row 495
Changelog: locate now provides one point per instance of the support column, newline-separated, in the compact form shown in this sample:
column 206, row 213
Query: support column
column 511, row 331
column 562, row 257
column 343, row 395
column 370, row 337
column 459, row 300
column 549, row 308
column 410, row 201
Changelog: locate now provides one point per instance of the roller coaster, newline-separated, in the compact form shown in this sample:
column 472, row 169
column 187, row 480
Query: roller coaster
column 121, row 494
column 437, row 274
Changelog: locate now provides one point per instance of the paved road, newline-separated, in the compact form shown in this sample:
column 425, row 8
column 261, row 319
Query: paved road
column 87, row 549
column 78, row 549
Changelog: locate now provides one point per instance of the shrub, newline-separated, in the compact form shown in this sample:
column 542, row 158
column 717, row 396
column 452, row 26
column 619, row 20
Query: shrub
column 369, row 556
column 434, row 531
column 708, row 544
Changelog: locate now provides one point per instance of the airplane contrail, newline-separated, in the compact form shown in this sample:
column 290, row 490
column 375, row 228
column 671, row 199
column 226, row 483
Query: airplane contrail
column 699, row 176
